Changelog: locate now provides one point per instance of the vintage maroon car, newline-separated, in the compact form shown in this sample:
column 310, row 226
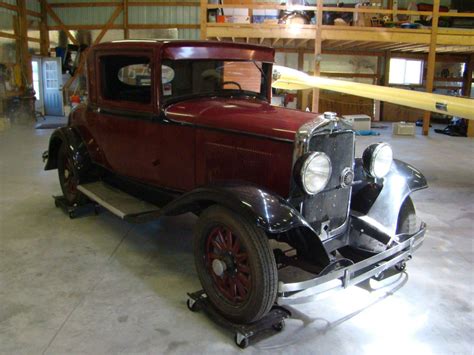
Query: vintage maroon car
column 187, row 126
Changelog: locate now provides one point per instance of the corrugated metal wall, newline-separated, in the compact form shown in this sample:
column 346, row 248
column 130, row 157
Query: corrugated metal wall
column 136, row 15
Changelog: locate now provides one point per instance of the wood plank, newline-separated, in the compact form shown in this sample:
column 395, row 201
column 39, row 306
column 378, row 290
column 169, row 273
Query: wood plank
column 126, row 31
column 161, row 3
column 22, row 43
column 8, row 35
column 8, row 6
column 109, row 24
column 317, row 53
column 431, row 63
column 44, row 33
column 203, row 22
column 131, row 26
column 85, row 4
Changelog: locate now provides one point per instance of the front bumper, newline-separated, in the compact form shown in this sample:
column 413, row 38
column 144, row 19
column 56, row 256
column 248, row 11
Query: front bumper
column 305, row 291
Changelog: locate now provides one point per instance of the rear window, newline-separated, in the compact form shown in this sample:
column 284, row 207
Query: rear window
column 126, row 78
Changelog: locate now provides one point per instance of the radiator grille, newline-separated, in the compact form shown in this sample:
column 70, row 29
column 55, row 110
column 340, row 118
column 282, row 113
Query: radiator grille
column 331, row 205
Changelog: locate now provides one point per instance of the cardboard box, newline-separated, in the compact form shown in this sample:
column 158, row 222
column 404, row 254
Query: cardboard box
column 358, row 122
column 404, row 128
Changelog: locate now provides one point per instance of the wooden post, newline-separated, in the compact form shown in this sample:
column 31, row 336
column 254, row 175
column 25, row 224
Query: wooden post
column 126, row 31
column 317, row 52
column 299, row 100
column 203, row 22
column 22, row 43
column 431, row 63
column 466, row 90
column 44, row 32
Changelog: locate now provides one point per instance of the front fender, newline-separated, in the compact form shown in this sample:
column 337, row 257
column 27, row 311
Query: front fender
column 268, row 211
column 74, row 143
column 378, row 202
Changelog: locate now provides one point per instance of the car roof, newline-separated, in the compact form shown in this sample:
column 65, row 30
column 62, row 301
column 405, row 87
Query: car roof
column 193, row 49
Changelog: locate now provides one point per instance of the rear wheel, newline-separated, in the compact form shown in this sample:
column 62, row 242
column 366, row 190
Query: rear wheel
column 69, row 177
column 235, row 265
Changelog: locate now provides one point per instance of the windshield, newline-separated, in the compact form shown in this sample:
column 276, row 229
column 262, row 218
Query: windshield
column 182, row 79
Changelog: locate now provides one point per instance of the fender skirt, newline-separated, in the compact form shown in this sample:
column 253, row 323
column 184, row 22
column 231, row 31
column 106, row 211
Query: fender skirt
column 74, row 143
column 377, row 204
column 270, row 212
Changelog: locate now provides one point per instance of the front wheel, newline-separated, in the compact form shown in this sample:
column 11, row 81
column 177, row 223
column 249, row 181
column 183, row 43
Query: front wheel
column 235, row 265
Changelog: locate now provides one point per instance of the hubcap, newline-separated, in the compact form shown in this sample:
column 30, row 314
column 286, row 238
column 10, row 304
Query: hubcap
column 218, row 266
column 227, row 263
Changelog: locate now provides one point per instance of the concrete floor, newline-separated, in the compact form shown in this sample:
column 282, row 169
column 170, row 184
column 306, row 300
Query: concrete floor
column 99, row 285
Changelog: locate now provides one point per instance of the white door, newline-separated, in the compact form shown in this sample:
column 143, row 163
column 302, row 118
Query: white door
column 38, row 83
column 52, row 83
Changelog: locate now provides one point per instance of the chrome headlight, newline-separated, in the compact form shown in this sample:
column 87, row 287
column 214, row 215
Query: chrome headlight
column 377, row 159
column 315, row 172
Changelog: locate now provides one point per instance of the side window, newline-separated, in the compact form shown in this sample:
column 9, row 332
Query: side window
column 126, row 78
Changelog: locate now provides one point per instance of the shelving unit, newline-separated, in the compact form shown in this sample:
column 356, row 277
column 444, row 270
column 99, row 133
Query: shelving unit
column 427, row 43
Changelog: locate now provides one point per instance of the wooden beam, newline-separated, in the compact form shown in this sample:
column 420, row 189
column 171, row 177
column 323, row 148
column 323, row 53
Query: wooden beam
column 164, row 3
column 109, row 24
column 431, row 63
column 22, row 42
column 44, row 33
column 260, row 40
column 85, row 4
column 203, row 20
column 8, row 6
column 467, row 83
column 97, row 40
column 126, row 31
column 131, row 26
column 9, row 35
column 274, row 41
column 317, row 52
column 61, row 25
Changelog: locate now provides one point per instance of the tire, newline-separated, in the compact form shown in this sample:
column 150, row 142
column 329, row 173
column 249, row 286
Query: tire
column 69, row 177
column 235, row 265
column 406, row 224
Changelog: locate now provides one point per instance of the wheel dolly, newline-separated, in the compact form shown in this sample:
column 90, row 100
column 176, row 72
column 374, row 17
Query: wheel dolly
column 275, row 319
column 73, row 210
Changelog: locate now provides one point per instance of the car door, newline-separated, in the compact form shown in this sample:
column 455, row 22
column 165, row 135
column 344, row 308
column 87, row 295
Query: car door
column 136, row 140
column 125, row 110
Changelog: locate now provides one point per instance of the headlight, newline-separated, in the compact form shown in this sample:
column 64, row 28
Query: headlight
column 377, row 159
column 315, row 172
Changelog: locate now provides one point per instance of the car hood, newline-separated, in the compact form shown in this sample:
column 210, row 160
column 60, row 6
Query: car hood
column 240, row 115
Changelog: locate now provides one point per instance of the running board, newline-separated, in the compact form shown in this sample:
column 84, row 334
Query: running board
column 120, row 203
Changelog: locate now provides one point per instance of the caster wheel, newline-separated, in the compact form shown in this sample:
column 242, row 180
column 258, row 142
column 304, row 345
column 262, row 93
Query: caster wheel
column 192, row 306
column 241, row 341
column 401, row 266
column 279, row 326
column 72, row 215
column 379, row 276
column 96, row 210
column 56, row 203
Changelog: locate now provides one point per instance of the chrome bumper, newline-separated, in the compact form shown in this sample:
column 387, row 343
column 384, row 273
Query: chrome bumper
column 305, row 291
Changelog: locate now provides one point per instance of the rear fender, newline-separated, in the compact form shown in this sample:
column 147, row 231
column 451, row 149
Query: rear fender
column 74, row 143
column 268, row 211
column 378, row 203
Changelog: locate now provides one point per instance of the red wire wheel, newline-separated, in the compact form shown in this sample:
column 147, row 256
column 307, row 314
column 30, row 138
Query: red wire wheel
column 235, row 265
column 68, row 177
column 227, row 262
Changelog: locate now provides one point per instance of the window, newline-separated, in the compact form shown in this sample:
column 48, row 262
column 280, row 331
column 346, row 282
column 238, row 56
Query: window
column 187, row 78
column 126, row 78
column 405, row 72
